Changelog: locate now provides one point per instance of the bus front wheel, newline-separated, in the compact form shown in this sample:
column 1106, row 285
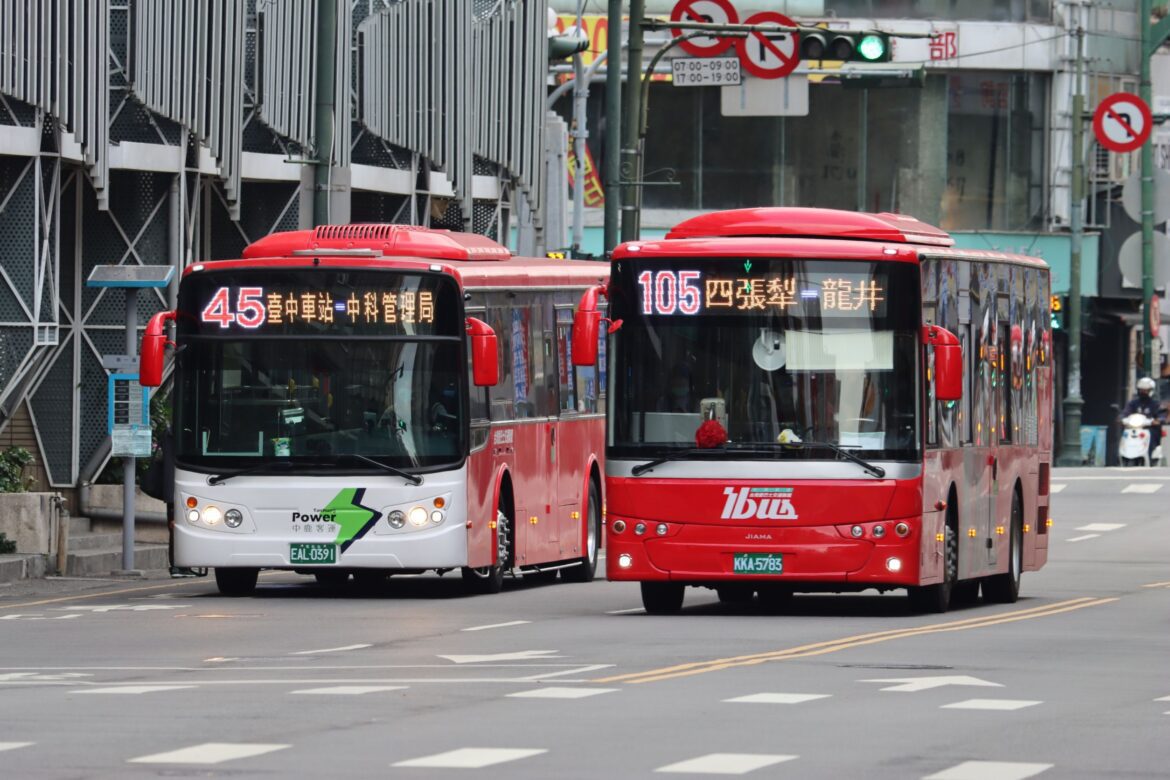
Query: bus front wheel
column 661, row 598
column 587, row 566
column 490, row 579
column 1005, row 588
column 937, row 598
column 236, row 582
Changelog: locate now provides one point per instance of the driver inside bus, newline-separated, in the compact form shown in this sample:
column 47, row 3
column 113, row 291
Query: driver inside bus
column 680, row 397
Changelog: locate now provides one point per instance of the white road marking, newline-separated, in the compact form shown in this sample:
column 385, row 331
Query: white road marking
column 1139, row 487
column 471, row 758
column 498, row 625
column 1004, row 705
column 102, row 608
column 1084, row 538
column 1056, row 488
column 522, row 655
column 915, row 684
column 135, row 689
column 209, row 753
column 1101, row 527
column 14, row 745
column 725, row 763
column 37, row 677
column 561, row 693
column 38, row 616
column 629, row 611
column 574, row 670
column 777, row 698
column 990, row 770
column 331, row 650
column 1164, row 698
column 351, row 690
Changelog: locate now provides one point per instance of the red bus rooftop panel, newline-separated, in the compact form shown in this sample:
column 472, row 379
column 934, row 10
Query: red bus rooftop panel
column 390, row 240
column 811, row 223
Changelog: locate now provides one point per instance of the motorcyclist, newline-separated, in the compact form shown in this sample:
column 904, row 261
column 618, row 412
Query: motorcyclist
column 1145, row 403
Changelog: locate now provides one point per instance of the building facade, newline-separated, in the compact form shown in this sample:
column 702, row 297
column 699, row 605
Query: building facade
column 136, row 132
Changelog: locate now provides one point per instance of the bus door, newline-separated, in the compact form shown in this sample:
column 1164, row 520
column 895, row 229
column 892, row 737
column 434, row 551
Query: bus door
column 980, row 465
column 537, row 533
column 578, row 397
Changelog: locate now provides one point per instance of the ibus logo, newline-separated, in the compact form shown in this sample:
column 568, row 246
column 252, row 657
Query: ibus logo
column 759, row 502
column 323, row 516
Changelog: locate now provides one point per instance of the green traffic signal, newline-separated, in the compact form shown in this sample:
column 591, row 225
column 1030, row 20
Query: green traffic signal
column 847, row 46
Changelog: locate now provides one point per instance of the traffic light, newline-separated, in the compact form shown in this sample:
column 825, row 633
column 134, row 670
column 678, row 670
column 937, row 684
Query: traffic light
column 564, row 46
column 1056, row 306
column 845, row 46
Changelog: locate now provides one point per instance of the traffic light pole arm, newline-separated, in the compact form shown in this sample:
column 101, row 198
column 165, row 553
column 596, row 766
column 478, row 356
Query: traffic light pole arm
column 644, row 109
column 666, row 24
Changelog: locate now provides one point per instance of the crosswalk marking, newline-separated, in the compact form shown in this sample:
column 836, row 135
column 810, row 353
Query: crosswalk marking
column 1084, row 537
column 471, row 758
column 725, row 763
column 14, row 745
column 134, row 689
column 561, row 693
column 1004, row 705
column 351, row 690
column 990, row 770
column 777, row 698
column 209, row 753
column 1142, row 487
column 1056, row 488
column 1101, row 527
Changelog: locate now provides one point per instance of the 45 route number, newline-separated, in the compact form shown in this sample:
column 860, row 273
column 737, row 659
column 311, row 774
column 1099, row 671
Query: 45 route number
column 249, row 308
column 668, row 292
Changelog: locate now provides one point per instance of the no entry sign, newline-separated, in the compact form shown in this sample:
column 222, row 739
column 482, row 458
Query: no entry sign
column 711, row 11
column 769, row 55
column 1122, row 122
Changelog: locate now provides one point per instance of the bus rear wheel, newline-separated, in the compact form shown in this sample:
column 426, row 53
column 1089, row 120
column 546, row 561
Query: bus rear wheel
column 586, row 566
column 490, row 579
column 662, row 598
column 1005, row 588
column 236, row 582
column 937, row 598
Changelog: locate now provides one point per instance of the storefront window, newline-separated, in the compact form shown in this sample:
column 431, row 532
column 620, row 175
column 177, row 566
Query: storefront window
column 951, row 10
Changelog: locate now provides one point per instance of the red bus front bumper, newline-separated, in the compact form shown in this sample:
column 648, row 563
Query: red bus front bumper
column 821, row 555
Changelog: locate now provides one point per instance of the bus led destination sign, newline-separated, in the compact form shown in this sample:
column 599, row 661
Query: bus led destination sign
column 255, row 307
column 693, row 292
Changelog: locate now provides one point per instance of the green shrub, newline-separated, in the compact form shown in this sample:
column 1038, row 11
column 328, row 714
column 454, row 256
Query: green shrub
column 12, row 465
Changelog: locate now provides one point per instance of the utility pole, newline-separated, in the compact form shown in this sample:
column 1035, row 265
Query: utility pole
column 323, row 126
column 1152, row 38
column 632, row 193
column 1070, row 449
column 613, row 118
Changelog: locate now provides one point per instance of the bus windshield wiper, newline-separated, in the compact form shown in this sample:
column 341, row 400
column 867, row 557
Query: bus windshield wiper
column 414, row 479
column 876, row 470
column 259, row 468
column 642, row 468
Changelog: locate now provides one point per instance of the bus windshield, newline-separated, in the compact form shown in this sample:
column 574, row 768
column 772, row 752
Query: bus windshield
column 776, row 350
column 377, row 382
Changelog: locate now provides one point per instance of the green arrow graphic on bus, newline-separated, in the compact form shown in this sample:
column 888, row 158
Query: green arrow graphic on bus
column 353, row 518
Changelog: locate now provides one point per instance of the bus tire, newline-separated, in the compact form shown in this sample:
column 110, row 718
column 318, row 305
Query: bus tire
column 331, row 579
column 586, row 566
column 662, row 598
column 490, row 579
column 937, row 598
column 236, row 582
column 1005, row 588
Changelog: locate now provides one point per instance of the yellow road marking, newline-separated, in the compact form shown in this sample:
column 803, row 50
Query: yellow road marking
column 846, row 643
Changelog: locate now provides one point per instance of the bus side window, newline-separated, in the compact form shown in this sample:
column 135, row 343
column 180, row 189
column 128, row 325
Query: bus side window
column 478, row 396
column 499, row 316
column 542, row 351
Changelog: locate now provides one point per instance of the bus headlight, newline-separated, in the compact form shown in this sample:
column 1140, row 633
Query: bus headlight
column 396, row 519
column 625, row 560
column 618, row 526
column 879, row 531
column 661, row 529
column 640, row 528
column 418, row 516
column 894, row 565
column 902, row 529
column 193, row 516
column 856, row 531
column 212, row 515
column 232, row 518
column 436, row 517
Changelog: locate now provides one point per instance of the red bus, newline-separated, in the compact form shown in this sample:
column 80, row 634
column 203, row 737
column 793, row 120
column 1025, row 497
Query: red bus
column 370, row 400
column 816, row 400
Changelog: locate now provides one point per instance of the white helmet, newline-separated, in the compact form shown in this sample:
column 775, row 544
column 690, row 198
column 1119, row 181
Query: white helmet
column 1145, row 383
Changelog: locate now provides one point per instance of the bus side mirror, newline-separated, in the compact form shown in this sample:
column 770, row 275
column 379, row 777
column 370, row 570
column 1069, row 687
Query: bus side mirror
column 154, row 350
column 485, row 359
column 948, row 362
column 587, row 326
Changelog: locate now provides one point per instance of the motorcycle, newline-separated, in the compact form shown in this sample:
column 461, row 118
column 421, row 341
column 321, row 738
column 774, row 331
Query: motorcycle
column 1134, row 448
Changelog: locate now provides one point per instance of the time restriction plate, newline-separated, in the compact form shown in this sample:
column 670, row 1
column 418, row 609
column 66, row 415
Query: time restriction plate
column 706, row 72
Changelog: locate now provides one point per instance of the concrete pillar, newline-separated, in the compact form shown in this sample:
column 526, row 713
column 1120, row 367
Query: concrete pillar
column 922, row 178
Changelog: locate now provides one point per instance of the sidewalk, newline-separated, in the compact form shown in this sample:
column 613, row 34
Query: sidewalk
column 22, row 567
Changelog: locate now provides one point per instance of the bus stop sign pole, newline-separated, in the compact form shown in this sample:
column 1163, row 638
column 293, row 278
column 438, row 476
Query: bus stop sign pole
column 130, row 278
